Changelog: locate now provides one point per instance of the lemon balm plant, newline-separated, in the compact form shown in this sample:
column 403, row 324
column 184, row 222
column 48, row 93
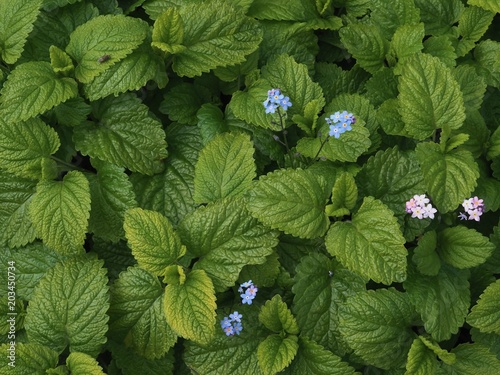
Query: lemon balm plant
column 245, row 187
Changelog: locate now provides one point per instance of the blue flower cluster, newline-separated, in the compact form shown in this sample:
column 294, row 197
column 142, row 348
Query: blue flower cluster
column 340, row 122
column 248, row 292
column 232, row 324
column 276, row 99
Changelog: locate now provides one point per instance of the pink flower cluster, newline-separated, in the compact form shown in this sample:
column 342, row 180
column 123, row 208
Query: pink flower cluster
column 474, row 207
column 419, row 207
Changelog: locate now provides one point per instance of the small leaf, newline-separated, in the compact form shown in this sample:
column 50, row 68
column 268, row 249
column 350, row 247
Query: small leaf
column 60, row 211
column 371, row 245
column 168, row 32
column 490, row 5
column 472, row 86
column 485, row 314
column 190, row 307
column 439, row 16
column 16, row 22
column 292, row 201
column 421, row 361
column 449, row 177
column 80, row 286
column 113, row 35
column 456, row 141
column 83, row 364
column 494, row 149
column 377, row 322
column 429, row 97
column 473, row 359
column 225, row 168
column 463, row 248
column 407, row 40
column 344, row 192
column 33, row 88
column 153, row 240
column 276, row 316
column 275, row 353
column 30, row 358
column 445, row 356
column 473, row 23
column 425, row 256
column 60, row 61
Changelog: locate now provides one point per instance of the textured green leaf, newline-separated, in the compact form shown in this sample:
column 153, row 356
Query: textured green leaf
column 445, row 356
column 115, row 36
column 210, row 121
column 30, row 358
column 407, row 40
column 153, row 240
column 378, row 322
column 283, row 10
column 381, row 87
column 16, row 22
column 491, row 5
column 494, row 149
column 263, row 275
column 24, row 145
column 389, row 16
column 31, row 89
column 439, row 15
column 449, row 177
column 168, row 32
column 425, row 256
column 129, row 74
column 276, row 316
column 430, row 98
column 344, row 192
column 182, row 102
column 463, row 248
column 190, row 307
column 69, row 307
column 421, row 361
column 16, row 193
column 486, row 54
column 171, row 191
column 366, row 44
column 60, row 211
column 485, row 314
column 275, row 353
column 442, row 300
column 125, row 135
column 472, row 24
column 472, row 85
column 313, row 359
column 392, row 177
column 318, row 297
column 225, row 168
column 72, row 112
column 442, row 48
column 215, row 34
column 226, row 238
column 83, row 364
column 371, row 244
column 137, row 311
column 473, row 359
column 111, row 195
column 60, row 61
column 292, row 201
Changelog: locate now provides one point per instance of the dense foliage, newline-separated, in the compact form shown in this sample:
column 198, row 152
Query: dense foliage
column 250, row 187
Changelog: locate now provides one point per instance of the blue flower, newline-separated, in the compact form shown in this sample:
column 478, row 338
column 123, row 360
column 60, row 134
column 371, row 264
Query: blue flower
column 286, row 103
column 252, row 290
column 225, row 322
column 237, row 328
column 246, row 298
column 235, row 317
column 229, row 330
column 276, row 99
column 246, row 284
column 335, row 131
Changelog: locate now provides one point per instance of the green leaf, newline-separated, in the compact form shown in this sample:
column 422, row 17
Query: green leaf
column 486, row 55
column 349, row 147
column 137, row 311
column 16, row 22
column 182, row 102
column 129, row 74
column 16, row 193
column 445, row 356
column 190, row 307
column 225, row 168
column 456, row 141
column 30, row 358
column 389, row 16
column 168, row 32
column 215, row 34
column 313, row 359
column 125, row 135
column 292, row 201
column 429, row 97
column 171, row 191
column 318, row 296
column 263, row 275
column 393, row 177
column 60, row 61
column 439, row 15
column 494, row 149
column 491, row 5
column 344, row 192
column 275, row 353
column 60, row 211
column 25, row 145
column 153, row 241
column 449, row 177
column 442, row 48
column 431, row 296
column 463, row 247
column 115, row 36
column 366, row 44
column 226, row 238
column 485, row 314
column 472, row 25
column 111, row 195
column 276, row 316
column 425, row 256
column 283, row 10
column 83, row 364
column 69, row 307
column 72, row 112
column 33, row 88
column 472, row 85
column 473, row 359
column 421, row 361
column 407, row 40
column 377, row 322
column 210, row 121
column 371, row 245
